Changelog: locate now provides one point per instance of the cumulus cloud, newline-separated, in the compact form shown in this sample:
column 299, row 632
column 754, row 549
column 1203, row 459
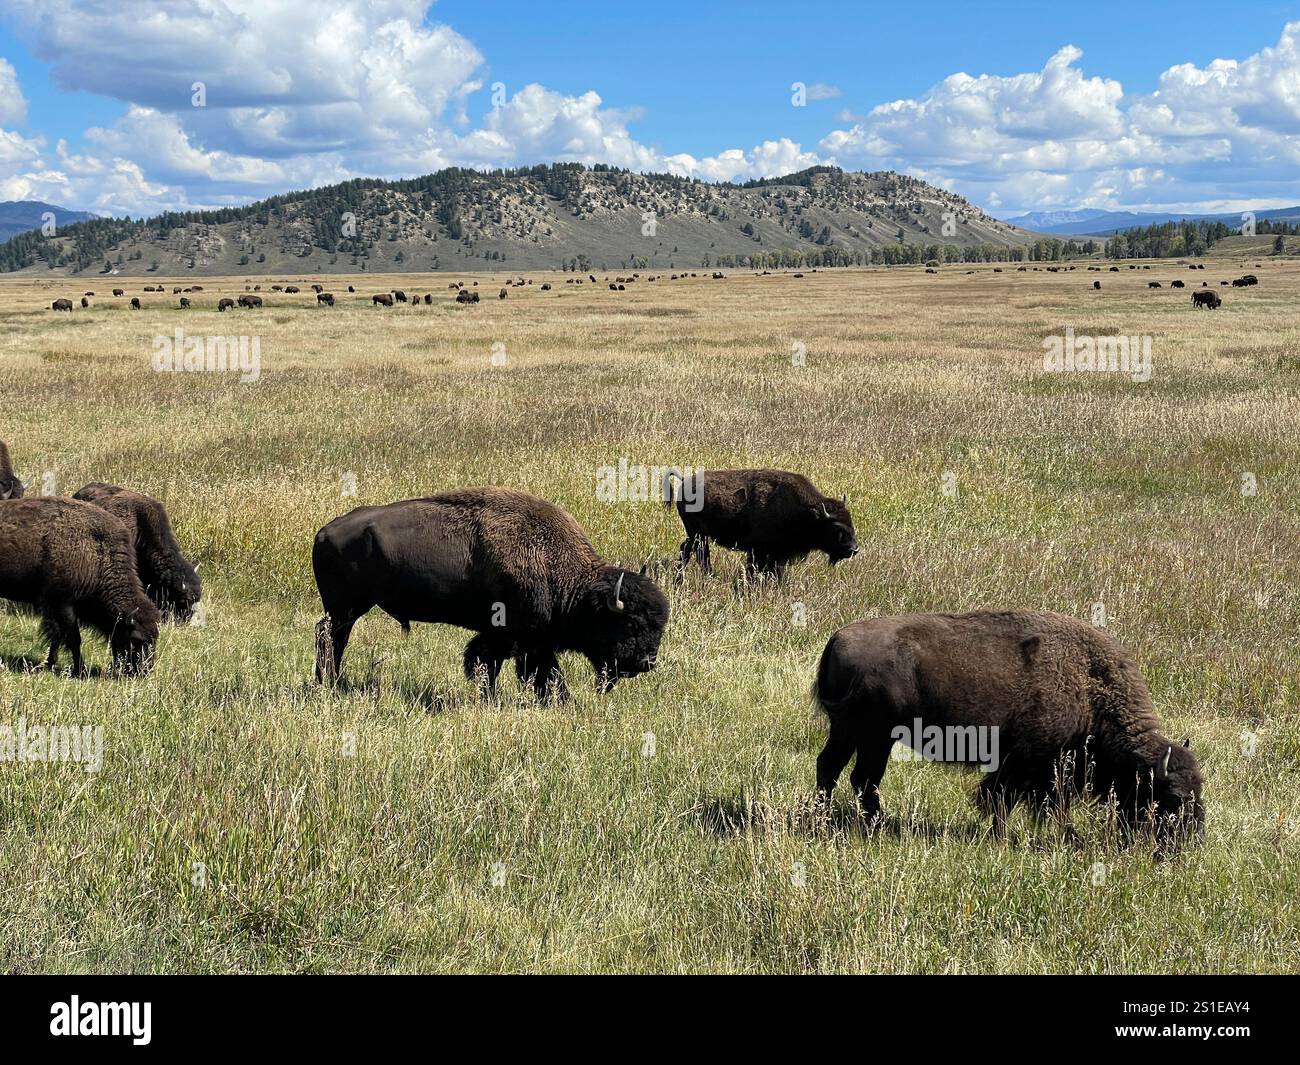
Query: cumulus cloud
column 1210, row 137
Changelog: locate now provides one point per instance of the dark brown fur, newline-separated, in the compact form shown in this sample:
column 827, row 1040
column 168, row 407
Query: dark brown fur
column 76, row 564
column 515, row 569
column 169, row 578
column 1072, row 711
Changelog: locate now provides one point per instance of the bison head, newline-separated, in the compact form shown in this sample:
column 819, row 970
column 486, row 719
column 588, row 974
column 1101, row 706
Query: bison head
column 177, row 590
column 833, row 525
column 133, row 641
column 1176, row 785
column 620, row 621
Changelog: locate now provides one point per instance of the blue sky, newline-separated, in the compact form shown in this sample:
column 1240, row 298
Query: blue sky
column 1158, row 105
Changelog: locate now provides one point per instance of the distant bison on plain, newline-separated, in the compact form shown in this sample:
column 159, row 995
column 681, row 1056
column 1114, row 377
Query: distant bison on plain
column 382, row 299
column 61, row 305
column 1209, row 299
column 1048, row 706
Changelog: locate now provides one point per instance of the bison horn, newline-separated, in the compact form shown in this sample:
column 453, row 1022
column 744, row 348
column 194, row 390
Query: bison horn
column 616, row 603
column 844, row 499
column 1164, row 763
column 825, row 513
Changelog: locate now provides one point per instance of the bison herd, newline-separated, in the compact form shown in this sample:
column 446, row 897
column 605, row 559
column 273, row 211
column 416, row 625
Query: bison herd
column 1069, row 705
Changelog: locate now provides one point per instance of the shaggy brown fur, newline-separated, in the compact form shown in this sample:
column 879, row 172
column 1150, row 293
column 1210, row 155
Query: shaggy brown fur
column 75, row 563
column 1071, row 709
column 773, row 516
column 169, row 578
column 10, row 486
column 515, row 569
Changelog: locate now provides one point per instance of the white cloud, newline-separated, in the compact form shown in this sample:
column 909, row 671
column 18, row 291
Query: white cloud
column 13, row 105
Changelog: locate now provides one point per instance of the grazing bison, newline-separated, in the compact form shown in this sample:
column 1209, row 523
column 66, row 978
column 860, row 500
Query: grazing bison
column 466, row 296
column 185, row 302
column 774, row 517
column 1154, row 284
column 135, row 303
column 119, row 292
column 1242, row 282
column 1177, row 284
column 10, row 486
column 503, row 293
column 1096, row 284
column 382, row 299
column 1048, row 705
column 84, row 303
column 61, row 305
column 546, row 287
column 326, row 298
column 515, row 569
column 399, row 295
column 250, row 301
column 1206, row 299
column 292, row 288
column 318, row 288
column 428, row 298
column 225, row 303
column 74, row 563
column 351, row 289
column 169, row 578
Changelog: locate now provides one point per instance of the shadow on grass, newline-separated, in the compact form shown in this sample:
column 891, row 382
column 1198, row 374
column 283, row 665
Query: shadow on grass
column 732, row 816
column 23, row 664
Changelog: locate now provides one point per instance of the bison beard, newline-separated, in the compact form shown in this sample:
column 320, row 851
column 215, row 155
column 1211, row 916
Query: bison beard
column 515, row 569
column 774, row 517
column 169, row 579
column 1072, row 712
column 74, row 563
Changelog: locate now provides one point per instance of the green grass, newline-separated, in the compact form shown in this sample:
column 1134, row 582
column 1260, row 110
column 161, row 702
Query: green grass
column 246, row 820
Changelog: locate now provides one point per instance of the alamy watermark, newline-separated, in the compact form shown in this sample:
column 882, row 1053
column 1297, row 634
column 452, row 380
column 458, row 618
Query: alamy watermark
column 967, row 744
column 82, row 744
column 208, row 354
column 629, row 482
column 1087, row 354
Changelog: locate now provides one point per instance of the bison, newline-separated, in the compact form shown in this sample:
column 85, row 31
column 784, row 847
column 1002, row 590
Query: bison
column 1096, row 284
column 382, row 299
column 74, row 563
column 428, row 298
column 514, row 569
column 1048, row 706
column 1208, row 299
column 466, row 296
column 503, row 293
column 84, row 303
column 399, row 295
column 774, row 517
column 135, row 303
column 10, row 486
column 61, row 305
column 1176, row 284
column 292, row 288
column 249, row 301
column 119, row 292
column 225, row 303
column 326, row 298
column 1154, row 284
column 185, row 303
column 170, row 580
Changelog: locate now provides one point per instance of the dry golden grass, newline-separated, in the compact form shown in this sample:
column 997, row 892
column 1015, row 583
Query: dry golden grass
column 231, row 828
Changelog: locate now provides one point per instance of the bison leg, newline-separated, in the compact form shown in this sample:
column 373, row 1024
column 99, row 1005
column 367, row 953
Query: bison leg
column 997, row 801
column 542, row 670
column 59, row 624
column 834, row 757
column 697, row 547
column 484, row 656
column 332, row 633
column 872, row 761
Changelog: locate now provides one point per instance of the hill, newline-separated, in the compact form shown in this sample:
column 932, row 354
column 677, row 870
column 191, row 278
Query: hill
column 22, row 216
column 545, row 217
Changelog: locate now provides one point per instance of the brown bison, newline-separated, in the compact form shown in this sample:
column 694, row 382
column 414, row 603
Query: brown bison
column 169, row 578
column 10, row 486
column 503, row 293
column 185, row 302
column 399, row 295
column 225, row 303
column 1096, row 284
column 84, row 303
column 1177, row 284
column 318, row 288
column 135, row 303
column 119, row 292
column 292, row 288
column 1047, row 705
column 466, row 296
column 326, row 298
column 61, row 305
column 74, row 563
column 1154, row 284
column 774, row 517
column 428, row 298
column 250, row 301
column 382, row 299
column 1208, row 298
column 515, row 569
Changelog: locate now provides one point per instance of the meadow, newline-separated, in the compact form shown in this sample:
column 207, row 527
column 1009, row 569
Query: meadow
column 247, row 820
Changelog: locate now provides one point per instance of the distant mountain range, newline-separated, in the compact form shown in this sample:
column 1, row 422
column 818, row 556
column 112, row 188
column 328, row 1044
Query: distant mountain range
column 542, row 217
column 22, row 216
column 1091, row 221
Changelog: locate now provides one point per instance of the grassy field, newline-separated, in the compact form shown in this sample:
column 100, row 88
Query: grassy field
column 246, row 820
